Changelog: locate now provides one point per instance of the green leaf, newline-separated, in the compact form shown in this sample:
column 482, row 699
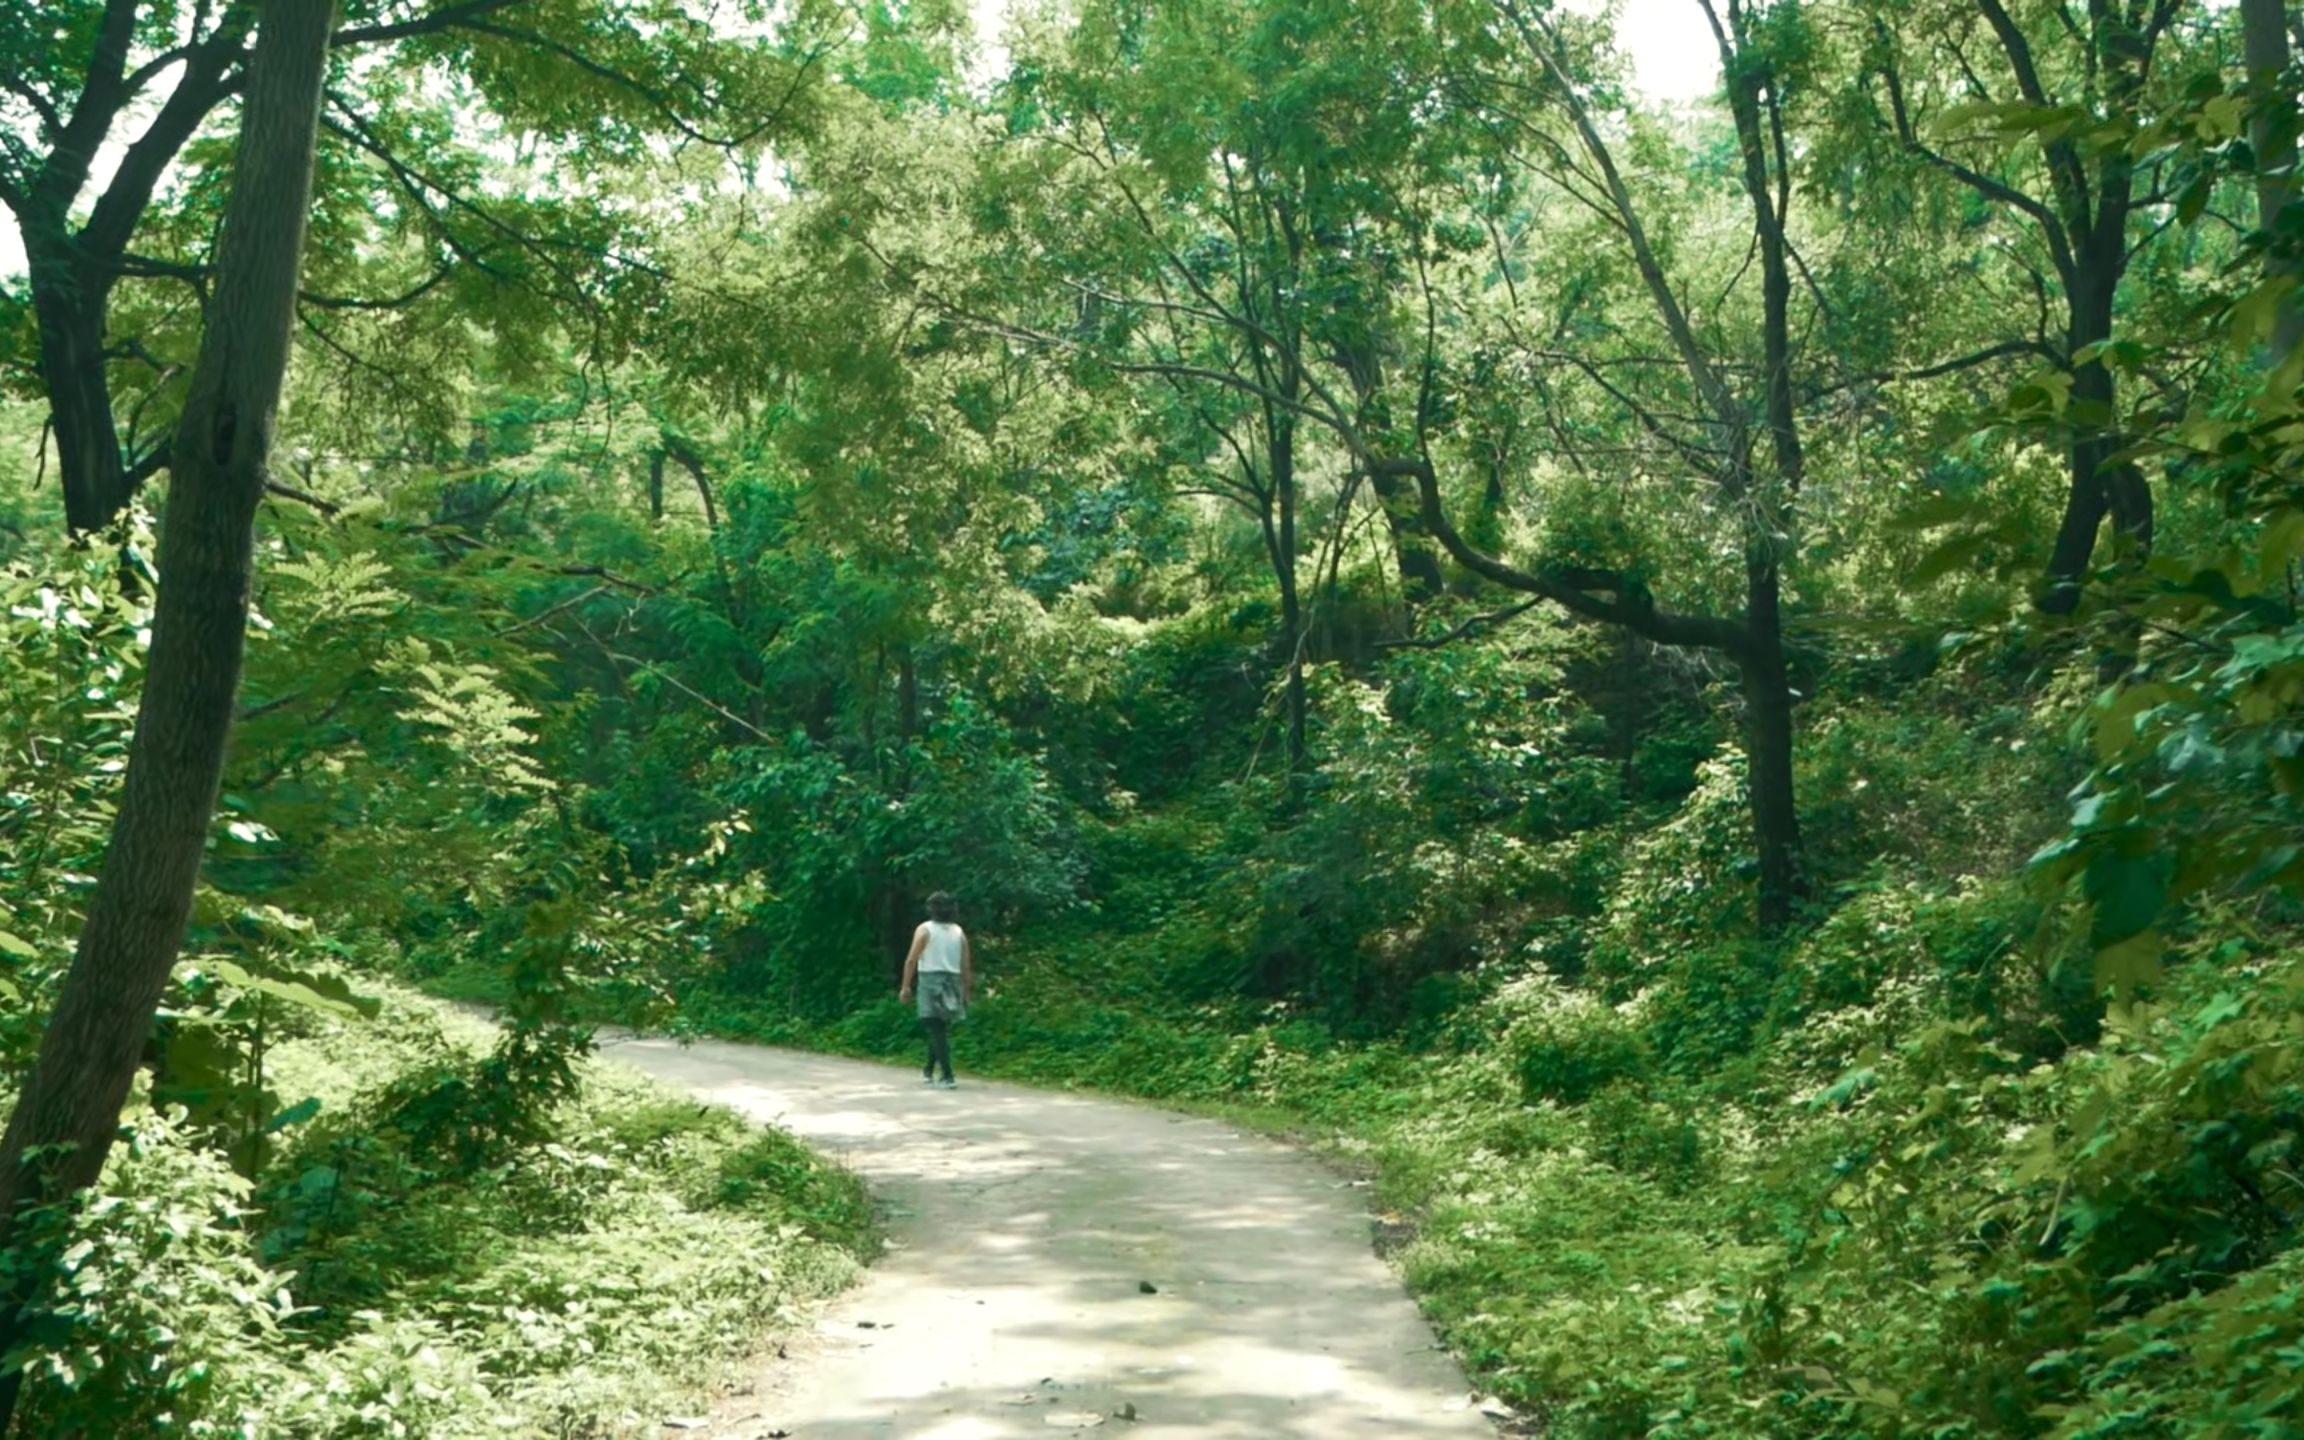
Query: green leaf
column 1935, row 512
column 17, row 946
column 328, row 994
column 293, row 1116
column 2115, row 731
column 2128, row 893
column 1956, row 553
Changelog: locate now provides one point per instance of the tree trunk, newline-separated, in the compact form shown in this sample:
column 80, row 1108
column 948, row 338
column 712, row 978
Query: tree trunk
column 2096, row 217
column 1767, row 679
column 2097, row 486
column 65, row 1121
column 1768, row 746
column 1283, row 465
column 1420, row 576
column 907, row 716
column 2264, row 44
column 68, row 298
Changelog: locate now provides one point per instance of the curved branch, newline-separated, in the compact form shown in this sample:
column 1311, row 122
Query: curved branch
column 1594, row 594
column 1466, row 630
column 393, row 302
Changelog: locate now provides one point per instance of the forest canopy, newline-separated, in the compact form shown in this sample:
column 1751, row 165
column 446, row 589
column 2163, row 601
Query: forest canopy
column 1712, row 683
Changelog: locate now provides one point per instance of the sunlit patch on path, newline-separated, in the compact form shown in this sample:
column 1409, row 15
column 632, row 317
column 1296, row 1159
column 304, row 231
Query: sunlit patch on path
column 1060, row 1264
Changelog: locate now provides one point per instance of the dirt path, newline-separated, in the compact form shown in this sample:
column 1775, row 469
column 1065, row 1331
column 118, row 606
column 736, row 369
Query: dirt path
column 1024, row 1227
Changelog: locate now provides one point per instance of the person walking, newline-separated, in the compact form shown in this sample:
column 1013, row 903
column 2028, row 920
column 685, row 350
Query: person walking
column 942, row 969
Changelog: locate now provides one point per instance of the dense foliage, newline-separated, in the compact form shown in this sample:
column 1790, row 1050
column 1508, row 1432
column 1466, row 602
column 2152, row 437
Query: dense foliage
column 1712, row 687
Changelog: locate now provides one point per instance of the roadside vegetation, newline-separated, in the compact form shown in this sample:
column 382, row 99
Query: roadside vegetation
column 405, row 1252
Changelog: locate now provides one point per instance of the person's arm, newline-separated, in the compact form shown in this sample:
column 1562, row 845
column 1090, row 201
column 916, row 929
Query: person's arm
column 967, row 968
column 912, row 963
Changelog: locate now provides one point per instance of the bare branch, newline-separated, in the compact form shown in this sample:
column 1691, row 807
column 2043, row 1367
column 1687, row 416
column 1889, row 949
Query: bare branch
column 1466, row 630
column 280, row 491
column 434, row 23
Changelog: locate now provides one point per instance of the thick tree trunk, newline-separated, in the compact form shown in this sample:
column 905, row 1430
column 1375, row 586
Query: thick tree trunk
column 1768, row 746
column 2264, row 42
column 68, row 298
column 65, row 1120
column 1420, row 576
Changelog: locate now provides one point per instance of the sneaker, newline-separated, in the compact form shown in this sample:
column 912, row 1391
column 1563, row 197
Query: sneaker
column 947, row 1083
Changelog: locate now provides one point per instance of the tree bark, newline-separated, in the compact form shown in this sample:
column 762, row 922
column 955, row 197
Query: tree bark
column 2265, row 48
column 67, row 1117
column 68, row 299
column 1282, row 460
column 1770, row 517
column 1420, row 577
column 1768, row 746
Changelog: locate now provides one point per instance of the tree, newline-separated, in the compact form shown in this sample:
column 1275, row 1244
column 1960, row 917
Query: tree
column 2272, row 137
column 2079, row 87
column 407, row 206
column 1745, row 438
column 1220, row 247
column 64, row 1121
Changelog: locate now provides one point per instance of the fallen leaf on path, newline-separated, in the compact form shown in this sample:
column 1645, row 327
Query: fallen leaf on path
column 685, row 1422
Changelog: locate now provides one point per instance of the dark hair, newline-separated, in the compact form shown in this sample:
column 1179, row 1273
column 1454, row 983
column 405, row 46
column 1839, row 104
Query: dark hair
column 943, row 908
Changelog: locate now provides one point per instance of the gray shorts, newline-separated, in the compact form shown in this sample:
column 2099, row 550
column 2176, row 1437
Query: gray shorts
column 940, row 996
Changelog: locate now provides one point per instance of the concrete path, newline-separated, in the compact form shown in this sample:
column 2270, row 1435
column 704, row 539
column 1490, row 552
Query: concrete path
column 1024, row 1227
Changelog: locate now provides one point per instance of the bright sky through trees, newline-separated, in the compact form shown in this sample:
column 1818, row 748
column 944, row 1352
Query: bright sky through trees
column 1674, row 57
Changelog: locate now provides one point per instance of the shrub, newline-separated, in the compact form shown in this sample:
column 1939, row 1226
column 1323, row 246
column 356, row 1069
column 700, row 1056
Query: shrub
column 1568, row 1045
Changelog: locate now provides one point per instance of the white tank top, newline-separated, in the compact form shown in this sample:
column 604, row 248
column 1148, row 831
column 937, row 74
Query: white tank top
column 943, row 950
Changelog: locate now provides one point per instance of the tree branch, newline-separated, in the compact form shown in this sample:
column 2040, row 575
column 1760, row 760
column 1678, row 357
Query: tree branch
column 280, row 491
column 434, row 23
column 213, row 71
column 51, row 120
column 1620, row 603
column 1466, row 630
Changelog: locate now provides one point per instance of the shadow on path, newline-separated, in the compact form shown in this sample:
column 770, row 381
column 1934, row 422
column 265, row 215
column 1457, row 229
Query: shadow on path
column 1024, row 1228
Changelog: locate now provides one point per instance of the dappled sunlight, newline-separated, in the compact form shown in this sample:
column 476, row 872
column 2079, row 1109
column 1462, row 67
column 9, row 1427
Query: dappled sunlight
column 1058, row 1264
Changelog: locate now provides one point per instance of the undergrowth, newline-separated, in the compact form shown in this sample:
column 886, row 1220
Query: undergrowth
column 375, row 1279
column 1900, row 1174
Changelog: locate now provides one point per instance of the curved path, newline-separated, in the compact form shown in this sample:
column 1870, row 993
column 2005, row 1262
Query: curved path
column 1024, row 1228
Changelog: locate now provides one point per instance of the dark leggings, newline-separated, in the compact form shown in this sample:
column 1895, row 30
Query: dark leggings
column 939, row 1047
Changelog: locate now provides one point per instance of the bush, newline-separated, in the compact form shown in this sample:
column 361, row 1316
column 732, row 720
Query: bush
column 1567, row 1045
column 375, row 1281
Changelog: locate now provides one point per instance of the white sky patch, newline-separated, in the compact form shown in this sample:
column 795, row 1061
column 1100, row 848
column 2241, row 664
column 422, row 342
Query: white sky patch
column 1674, row 56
